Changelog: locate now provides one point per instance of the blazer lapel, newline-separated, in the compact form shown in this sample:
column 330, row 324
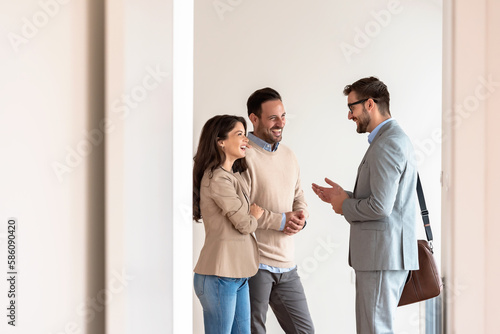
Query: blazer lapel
column 359, row 170
column 380, row 132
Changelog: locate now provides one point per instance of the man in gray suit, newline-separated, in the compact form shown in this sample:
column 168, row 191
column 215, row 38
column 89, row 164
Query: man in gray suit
column 381, row 210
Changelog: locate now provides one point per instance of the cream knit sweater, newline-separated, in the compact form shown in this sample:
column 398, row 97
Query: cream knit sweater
column 274, row 182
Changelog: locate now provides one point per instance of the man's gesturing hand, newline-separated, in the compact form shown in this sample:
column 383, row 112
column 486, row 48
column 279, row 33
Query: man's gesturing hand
column 334, row 195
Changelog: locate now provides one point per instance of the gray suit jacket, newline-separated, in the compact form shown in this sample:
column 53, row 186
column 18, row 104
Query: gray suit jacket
column 382, row 210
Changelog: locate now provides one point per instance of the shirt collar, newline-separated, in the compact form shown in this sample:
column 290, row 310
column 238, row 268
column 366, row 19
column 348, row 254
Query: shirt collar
column 372, row 135
column 261, row 143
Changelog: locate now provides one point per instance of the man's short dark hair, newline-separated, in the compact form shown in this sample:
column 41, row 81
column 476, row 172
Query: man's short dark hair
column 373, row 88
column 254, row 103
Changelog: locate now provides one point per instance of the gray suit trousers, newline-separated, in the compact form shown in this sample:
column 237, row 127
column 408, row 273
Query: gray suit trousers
column 377, row 297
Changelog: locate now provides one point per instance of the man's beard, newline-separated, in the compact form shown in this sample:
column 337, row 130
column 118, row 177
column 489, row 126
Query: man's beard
column 363, row 121
column 269, row 137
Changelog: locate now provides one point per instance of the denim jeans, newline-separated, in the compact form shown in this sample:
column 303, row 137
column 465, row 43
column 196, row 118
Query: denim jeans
column 225, row 302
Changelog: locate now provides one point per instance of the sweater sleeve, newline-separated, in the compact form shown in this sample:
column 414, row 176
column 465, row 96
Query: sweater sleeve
column 270, row 220
column 225, row 196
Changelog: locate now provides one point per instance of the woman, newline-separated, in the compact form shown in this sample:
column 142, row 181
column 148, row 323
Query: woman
column 230, row 254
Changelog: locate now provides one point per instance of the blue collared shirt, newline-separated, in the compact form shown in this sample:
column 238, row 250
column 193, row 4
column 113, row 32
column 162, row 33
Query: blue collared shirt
column 372, row 135
column 265, row 145
column 268, row 147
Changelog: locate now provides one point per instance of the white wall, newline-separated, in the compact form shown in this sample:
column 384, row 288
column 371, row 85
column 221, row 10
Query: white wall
column 471, row 161
column 148, row 221
column 295, row 47
column 90, row 264
column 51, row 96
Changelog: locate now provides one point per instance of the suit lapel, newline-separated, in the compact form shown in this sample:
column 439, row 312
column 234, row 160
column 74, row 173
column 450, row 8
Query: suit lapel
column 379, row 134
column 359, row 169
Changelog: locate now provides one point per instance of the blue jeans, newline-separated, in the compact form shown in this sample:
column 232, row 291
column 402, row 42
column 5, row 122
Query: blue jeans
column 225, row 302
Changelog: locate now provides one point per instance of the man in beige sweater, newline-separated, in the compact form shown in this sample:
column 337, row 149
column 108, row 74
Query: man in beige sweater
column 273, row 176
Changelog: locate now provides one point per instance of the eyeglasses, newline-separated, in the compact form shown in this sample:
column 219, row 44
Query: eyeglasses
column 358, row 102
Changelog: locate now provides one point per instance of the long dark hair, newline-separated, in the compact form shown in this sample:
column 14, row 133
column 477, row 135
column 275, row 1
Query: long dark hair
column 209, row 155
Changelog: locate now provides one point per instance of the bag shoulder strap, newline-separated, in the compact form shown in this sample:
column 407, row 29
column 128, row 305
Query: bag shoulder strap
column 423, row 211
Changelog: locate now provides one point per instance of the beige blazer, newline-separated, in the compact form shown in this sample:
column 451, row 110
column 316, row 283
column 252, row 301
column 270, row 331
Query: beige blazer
column 230, row 248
